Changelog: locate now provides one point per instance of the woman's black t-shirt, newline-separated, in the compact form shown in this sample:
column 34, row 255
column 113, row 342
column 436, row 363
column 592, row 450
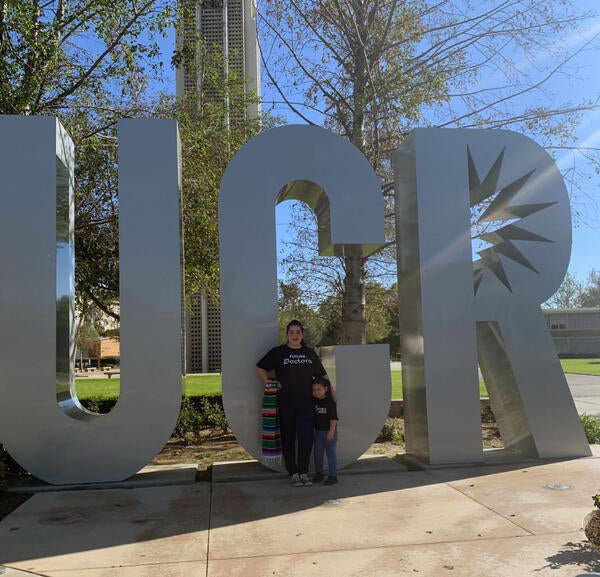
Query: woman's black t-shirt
column 295, row 369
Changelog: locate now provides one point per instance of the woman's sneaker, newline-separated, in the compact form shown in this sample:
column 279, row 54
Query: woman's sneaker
column 305, row 480
column 296, row 482
column 318, row 478
column 330, row 481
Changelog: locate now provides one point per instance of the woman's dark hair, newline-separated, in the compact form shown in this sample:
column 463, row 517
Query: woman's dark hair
column 295, row 323
column 325, row 382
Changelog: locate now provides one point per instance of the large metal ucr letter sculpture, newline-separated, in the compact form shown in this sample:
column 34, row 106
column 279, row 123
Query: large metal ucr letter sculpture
column 42, row 424
column 330, row 175
column 453, row 308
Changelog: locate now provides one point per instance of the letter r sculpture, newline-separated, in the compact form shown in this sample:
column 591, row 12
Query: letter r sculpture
column 457, row 310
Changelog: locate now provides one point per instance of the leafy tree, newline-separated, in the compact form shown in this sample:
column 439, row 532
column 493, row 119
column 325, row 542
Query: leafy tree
column 291, row 306
column 381, row 314
column 590, row 295
column 91, row 63
column 372, row 70
column 88, row 63
column 206, row 149
column 330, row 313
column 87, row 337
column 54, row 52
column 213, row 125
column 568, row 295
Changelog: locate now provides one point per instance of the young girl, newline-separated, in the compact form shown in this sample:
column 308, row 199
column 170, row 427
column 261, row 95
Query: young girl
column 326, row 421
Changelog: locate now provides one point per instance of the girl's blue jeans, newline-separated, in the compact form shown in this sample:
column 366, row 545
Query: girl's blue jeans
column 324, row 447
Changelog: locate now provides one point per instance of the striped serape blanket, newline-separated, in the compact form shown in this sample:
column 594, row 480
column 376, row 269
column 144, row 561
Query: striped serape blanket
column 271, row 436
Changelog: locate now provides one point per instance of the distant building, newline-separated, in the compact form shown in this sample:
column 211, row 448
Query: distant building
column 575, row 332
column 203, row 337
column 229, row 25
column 96, row 354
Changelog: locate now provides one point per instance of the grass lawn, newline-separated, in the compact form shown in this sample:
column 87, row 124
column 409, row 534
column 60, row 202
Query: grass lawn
column 202, row 385
column 581, row 366
column 198, row 385
column 109, row 388
column 97, row 388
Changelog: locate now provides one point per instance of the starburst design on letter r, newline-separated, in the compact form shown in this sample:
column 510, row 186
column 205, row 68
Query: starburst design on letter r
column 493, row 217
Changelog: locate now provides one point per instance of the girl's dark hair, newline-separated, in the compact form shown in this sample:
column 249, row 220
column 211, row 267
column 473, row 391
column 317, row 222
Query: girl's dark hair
column 325, row 382
column 295, row 323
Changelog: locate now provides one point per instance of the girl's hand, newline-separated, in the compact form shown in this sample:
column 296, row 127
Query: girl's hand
column 330, row 435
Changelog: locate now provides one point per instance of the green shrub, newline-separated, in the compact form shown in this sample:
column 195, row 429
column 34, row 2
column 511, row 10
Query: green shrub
column 391, row 432
column 487, row 415
column 213, row 414
column 591, row 426
column 200, row 413
column 189, row 421
column 98, row 404
column 197, row 413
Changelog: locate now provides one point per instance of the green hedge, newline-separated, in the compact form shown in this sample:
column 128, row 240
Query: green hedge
column 198, row 413
column 591, row 426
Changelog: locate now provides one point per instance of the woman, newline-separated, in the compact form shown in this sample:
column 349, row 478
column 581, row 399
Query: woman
column 296, row 366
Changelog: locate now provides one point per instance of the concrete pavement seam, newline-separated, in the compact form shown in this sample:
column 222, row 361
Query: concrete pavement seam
column 208, row 529
column 392, row 546
column 490, row 509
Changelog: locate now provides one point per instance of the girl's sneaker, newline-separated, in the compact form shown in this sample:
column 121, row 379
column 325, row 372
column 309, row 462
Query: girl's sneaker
column 318, row 478
column 296, row 482
column 330, row 481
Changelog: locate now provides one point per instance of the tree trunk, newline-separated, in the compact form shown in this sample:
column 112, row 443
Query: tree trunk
column 353, row 303
column 354, row 324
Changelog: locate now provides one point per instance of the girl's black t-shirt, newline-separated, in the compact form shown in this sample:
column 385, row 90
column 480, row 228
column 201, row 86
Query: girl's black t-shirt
column 325, row 411
column 295, row 369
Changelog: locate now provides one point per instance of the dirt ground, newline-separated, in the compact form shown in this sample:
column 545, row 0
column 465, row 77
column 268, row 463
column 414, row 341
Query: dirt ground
column 213, row 446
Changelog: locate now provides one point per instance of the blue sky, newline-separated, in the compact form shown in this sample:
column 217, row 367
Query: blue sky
column 583, row 82
column 585, row 253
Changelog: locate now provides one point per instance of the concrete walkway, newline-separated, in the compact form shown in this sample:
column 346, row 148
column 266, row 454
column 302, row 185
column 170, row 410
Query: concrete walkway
column 586, row 393
column 381, row 520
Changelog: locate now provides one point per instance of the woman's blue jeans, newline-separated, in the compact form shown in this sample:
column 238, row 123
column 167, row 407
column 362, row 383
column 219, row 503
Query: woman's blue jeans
column 324, row 447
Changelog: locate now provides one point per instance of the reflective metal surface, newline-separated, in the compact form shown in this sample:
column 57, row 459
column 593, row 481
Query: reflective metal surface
column 33, row 346
column 65, row 281
column 363, row 392
column 437, row 323
column 448, row 302
column 306, row 163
